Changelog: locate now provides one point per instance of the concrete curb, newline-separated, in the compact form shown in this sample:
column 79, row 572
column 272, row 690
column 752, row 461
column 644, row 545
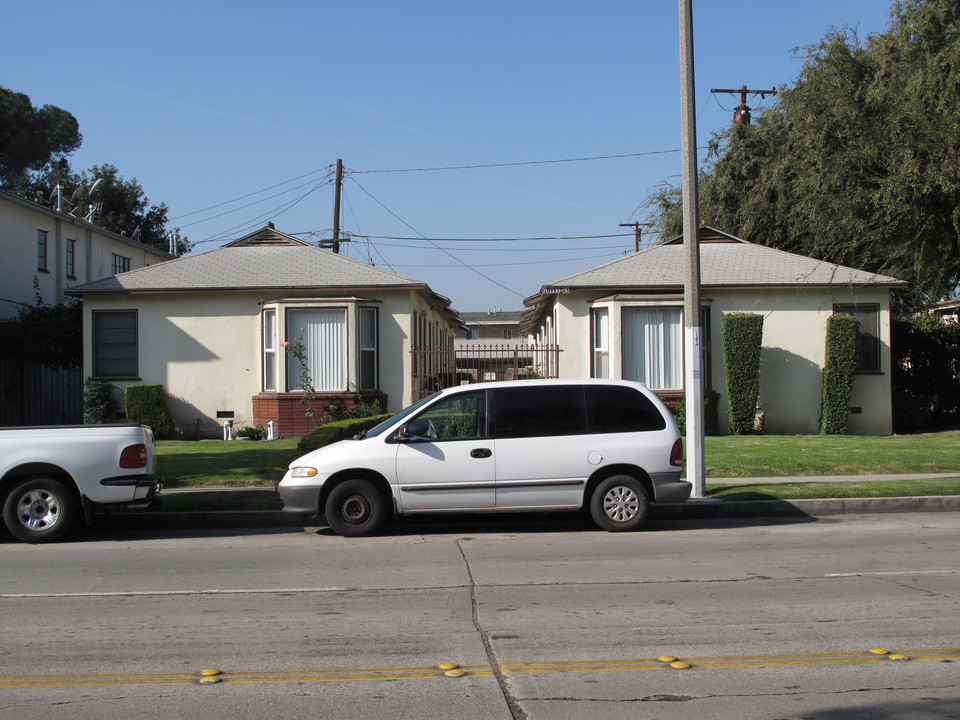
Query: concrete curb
column 690, row 510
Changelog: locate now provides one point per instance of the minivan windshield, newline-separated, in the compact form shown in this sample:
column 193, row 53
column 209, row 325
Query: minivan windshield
column 389, row 422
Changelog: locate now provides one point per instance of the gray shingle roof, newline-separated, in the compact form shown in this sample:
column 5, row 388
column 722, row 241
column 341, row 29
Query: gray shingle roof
column 283, row 267
column 722, row 264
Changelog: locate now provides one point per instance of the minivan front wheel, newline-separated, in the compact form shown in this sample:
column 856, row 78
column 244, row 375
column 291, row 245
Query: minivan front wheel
column 619, row 503
column 355, row 507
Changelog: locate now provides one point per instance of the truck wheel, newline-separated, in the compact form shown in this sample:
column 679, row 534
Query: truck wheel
column 355, row 507
column 619, row 503
column 40, row 510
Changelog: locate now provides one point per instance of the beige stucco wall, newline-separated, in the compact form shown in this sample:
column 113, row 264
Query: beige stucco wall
column 19, row 222
column 205, row 348
column 791, row 370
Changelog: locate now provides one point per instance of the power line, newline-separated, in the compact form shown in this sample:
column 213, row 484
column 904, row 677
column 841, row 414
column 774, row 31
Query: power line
column 516, row 164
column 445, row 252
column 522, row 239
column 257, row 192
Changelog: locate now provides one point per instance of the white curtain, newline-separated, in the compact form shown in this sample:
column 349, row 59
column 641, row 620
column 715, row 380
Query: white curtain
column 653, row 347
column 325, row 339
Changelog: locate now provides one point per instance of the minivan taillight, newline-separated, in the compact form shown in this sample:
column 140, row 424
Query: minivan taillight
column 134, row 456
column 676, row 453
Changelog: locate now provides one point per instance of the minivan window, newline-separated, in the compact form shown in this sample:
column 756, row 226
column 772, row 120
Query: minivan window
column 612, row 409
column 458, row 417
column 539, row 411
column 391, row 421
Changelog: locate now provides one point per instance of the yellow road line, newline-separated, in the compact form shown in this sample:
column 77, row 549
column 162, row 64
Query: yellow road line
column 436, row 672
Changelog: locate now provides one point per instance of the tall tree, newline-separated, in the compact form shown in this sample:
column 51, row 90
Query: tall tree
column 858, row 162
column 30, row 137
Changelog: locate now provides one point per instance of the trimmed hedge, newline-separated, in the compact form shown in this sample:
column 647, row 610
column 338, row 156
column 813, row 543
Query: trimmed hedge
column 742, row 337
column 147, row 404
column 339, row 430
column 838, row 367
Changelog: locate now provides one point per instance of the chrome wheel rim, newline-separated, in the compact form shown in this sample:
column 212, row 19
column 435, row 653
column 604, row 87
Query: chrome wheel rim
column 38, row 510
column 621, row 504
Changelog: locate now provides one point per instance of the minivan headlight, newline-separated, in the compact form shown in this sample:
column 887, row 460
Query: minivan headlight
column 303, row 472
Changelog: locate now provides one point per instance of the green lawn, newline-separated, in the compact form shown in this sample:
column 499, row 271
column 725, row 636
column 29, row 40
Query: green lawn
column 787, row 455
column 241, row 463
column 215, row 463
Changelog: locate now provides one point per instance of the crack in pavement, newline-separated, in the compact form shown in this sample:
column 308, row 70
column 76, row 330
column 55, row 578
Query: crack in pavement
column 515, row 710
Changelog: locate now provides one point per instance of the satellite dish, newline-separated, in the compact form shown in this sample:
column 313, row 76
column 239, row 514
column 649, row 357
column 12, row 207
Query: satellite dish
column 93, row 188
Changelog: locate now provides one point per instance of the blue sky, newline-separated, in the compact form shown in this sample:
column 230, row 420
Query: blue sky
column 232, row 115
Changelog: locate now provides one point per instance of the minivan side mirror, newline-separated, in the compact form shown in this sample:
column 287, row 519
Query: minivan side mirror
column 403, row 434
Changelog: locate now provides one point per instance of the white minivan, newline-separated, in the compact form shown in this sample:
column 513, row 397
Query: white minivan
column 534, row 445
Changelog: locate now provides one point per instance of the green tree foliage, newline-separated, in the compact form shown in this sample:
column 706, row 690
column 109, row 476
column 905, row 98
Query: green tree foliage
column 858, row 163
column 30, row 138
column 120, row 205
column 838, row 368
column 48, row 334
column 742, row 337
column 33, row 145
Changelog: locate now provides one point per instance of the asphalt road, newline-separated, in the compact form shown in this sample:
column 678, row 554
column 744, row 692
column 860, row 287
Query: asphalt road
column 546, row 619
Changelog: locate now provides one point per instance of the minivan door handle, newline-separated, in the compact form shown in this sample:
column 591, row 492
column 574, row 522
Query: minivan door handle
column 481, row 453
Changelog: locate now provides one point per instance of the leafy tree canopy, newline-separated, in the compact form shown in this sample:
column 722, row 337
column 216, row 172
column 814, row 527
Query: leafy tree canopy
column 30, row 137
column 32, row 165
column 858, row 163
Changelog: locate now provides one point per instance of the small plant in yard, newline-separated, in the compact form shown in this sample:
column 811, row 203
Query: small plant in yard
column 299, row 352
column 254, row 433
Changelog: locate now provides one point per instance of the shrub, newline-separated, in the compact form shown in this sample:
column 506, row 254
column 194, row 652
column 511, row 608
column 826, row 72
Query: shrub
column 147, row 404
column 99, row 403
column 340, row 430
column 741, row 335
column 363, row 408
column 838, row 367
column 254, row 433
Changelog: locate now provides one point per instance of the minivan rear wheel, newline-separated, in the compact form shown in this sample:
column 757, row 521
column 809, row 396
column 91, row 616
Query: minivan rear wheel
column 354, row 508
column 619, row 503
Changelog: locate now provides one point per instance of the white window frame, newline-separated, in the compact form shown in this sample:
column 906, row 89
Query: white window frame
column 368, row 346
column 270, row 379
column 600, row 342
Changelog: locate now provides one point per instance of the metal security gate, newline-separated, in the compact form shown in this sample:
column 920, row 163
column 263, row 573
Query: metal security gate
column 435, row 368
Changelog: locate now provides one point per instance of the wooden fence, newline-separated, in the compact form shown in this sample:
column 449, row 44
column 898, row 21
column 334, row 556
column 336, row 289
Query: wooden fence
column 34, row 394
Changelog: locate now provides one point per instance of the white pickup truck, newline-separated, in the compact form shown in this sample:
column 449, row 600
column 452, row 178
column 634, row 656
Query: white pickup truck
column 49, row 476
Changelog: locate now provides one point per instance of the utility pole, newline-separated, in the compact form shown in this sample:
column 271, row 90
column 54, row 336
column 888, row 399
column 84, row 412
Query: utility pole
column 334, row 243
column 636, row 231
column 692, row 316
column 741, row 113
column 336, row 207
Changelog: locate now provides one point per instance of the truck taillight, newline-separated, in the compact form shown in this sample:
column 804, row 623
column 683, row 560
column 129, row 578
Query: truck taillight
column 676, row 453
column 134, row 456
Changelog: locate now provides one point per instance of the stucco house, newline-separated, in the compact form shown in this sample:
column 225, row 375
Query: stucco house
column 211, row 328
column 625, row 320
column 59, row 251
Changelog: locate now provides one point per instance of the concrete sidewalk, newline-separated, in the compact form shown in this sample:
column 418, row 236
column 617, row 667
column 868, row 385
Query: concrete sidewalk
column 827, row 478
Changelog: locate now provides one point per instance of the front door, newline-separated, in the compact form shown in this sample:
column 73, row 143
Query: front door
column 448, row 462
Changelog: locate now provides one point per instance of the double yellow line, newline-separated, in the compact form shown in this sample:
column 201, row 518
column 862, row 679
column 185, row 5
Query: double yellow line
column 446, row 670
